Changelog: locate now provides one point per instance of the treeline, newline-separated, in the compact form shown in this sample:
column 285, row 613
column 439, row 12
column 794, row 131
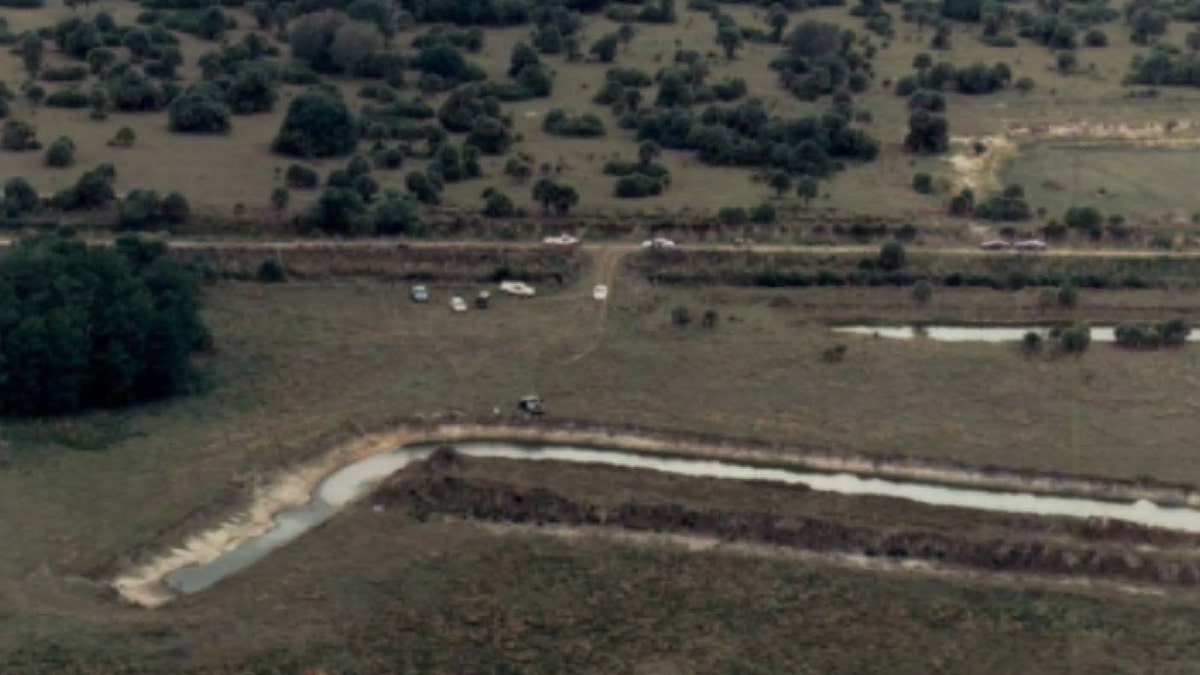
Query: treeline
column 897, row 269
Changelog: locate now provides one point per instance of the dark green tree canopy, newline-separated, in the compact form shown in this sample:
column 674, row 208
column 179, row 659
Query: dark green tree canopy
column 318, row 124
column 84, row 327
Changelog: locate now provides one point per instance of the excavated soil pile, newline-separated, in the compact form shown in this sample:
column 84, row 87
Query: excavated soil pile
column 444, row 486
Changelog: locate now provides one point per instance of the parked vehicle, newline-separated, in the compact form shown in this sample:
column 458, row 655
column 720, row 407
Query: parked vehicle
column 532, row 404
column 658, row 243
column 483, row 300
column 419, row 294
column 561, row 240
column 457, row 304
column 995, row 245
column 600, row 292
column 518, row 288
column 1030, row 245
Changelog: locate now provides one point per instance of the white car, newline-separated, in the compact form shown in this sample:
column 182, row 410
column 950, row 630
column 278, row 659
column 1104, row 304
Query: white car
column 518, row 288
column 457, row 304
column 1030, row 245
column 561, row 240
column 658, row 242
column 600, row 292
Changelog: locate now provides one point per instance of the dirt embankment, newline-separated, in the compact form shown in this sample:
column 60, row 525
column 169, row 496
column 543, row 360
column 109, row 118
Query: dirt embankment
column 467, row 263
column 1097, row 549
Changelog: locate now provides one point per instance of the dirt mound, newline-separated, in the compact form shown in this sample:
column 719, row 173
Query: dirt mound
column 436, row 490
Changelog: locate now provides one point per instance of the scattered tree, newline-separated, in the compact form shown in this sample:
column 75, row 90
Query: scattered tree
column 807, row 188
column 61, row 153
column 318, row 124
column 780, row 182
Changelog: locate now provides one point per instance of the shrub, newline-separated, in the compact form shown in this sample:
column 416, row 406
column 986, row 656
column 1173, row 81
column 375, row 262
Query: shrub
column 197, row 113
column 1031, row 342
column 124, row 138
column 1174, row 332
column 338, row 211
column 681, row 316
column 252, row 90
column 17, row 136
column 497, row 204
column 636, row 185
column 1075, row 339
column 94, row 327
column 397, row 214
column 892, row 256
column 19, row 197
column 922, row 183
column 301, row 177
column 72, row 73
column 318, row 124
column 94, row 189
column 560, row 123
column 733, row 215
column 175, row 208
column 1095, row 38
column 271, row 271
column 61, row 153
column 68, row 98
column 490, row 135
column 763, row 214
column 139, row 210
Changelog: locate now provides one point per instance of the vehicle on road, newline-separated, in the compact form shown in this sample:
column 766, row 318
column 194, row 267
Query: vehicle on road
column 419, row 294
column 995, row 245
column 483, row 300
column 600, row 292
column 561, row 240
column 457, row 304
column 1030, row 245
column 518, row 288
column 658, row 243
column 532, row 404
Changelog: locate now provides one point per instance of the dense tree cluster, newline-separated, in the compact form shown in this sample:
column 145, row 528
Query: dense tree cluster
column 93, row 189
column 143, row 209
column 746, row 135
column 821, row 58
column 975, row 79
column 1165, row 65
column 84, row 327
column 928, row 130
column 1009, row 204
column 554, row 195
column 643, row 178
column 1170, row 333
column 199, row 111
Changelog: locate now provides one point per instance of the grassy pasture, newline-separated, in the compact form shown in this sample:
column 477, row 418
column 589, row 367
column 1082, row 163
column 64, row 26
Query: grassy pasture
column 298, row 362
